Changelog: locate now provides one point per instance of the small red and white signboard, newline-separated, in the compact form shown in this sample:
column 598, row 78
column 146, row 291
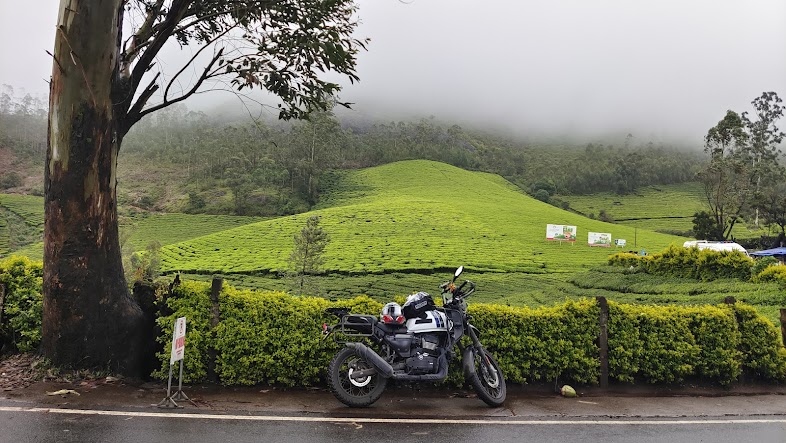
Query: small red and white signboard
column 178, row 340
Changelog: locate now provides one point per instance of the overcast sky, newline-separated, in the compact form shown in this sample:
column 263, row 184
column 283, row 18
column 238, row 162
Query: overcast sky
column 665, row 68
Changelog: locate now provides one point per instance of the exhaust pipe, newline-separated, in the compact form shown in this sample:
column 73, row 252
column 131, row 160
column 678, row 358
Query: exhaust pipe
column 383, row 368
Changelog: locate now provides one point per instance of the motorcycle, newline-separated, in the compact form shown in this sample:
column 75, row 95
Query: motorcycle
column 413, row 343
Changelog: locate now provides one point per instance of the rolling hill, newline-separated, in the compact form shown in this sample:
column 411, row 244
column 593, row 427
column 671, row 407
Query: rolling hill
column 414, row 217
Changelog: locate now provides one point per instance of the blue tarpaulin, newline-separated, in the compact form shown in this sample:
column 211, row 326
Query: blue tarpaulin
column 770, row 252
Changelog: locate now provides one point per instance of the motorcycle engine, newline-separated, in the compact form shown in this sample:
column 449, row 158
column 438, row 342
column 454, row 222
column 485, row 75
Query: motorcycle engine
column 426, row 350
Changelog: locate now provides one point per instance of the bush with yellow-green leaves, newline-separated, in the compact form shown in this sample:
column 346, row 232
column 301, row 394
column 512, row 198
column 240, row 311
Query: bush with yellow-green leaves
column 20, row 329
column 682, row 262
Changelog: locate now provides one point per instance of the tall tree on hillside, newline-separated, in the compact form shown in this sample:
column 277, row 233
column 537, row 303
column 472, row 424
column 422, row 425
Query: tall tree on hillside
column 772, row 202
column 765, row 139
column 743, row 163
column 727, row 176
column 105, row 78
column 314, row 146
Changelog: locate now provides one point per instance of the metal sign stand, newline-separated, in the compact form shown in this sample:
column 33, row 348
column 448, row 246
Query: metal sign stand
column 169, row 401
column 178, row 350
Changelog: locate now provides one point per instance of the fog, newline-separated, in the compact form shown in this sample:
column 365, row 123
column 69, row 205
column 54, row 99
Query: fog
column 654, row 68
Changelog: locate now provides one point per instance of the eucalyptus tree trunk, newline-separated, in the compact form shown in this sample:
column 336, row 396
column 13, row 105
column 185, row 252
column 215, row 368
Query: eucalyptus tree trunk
column 90, row 319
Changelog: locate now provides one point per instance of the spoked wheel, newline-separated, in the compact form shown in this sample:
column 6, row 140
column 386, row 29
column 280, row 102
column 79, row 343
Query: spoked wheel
column 488, row 381
column 356, row 393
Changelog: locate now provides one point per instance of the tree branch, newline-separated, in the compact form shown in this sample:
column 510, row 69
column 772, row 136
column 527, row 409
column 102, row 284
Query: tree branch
column 160, row 36
column 205, row 75
column 140, row 39
column 133, row 114
column 213, row 40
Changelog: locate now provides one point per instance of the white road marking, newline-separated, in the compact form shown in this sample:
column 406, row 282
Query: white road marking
column 357, row 420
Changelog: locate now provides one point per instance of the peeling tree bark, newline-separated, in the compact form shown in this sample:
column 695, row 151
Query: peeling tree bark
column 90, row 319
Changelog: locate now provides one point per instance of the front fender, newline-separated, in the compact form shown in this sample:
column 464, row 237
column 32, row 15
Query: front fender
column 468, row 362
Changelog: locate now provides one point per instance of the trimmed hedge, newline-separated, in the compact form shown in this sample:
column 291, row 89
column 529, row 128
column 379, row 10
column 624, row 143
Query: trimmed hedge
column 677, row 261
column 270, row 337
column 22, row 309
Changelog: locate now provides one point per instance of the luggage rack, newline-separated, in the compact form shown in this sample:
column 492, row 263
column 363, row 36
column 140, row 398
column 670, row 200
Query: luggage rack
column 351, row 325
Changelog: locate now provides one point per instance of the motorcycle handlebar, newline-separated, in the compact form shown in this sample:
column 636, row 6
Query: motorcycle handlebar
column 458, row 292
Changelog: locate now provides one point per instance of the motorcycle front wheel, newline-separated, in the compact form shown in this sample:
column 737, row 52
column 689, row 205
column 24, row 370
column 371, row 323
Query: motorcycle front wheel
column 356, row 393
column 488, row 381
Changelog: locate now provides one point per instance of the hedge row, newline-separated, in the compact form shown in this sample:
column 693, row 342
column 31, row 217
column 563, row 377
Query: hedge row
column 683, row 262
column 269, row 337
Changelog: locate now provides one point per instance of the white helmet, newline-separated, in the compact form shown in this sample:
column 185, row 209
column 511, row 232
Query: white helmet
column 391, row 314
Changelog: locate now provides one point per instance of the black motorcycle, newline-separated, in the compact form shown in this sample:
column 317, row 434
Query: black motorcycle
column 411, row 343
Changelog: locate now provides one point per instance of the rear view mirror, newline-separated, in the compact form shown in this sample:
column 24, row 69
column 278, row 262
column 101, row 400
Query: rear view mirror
column 458, row 272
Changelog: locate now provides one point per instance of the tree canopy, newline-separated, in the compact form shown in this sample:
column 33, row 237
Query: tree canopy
column 743, row 176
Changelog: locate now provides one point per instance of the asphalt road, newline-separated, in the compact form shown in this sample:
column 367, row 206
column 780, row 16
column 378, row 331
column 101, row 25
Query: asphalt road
column 24, row 424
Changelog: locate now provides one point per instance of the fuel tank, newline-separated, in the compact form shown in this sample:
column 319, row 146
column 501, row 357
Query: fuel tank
column 435, row 321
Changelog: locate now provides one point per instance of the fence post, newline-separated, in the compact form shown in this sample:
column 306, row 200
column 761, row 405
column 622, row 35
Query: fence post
column 603, row 341
column 215, row 290
column 2, row 301
column 783, row 326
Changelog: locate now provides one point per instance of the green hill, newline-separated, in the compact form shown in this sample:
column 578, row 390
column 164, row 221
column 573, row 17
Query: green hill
column 414, row 217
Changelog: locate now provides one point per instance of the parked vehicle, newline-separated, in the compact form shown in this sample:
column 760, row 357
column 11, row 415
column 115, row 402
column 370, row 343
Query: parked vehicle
column 715, row 245
column 413, row 343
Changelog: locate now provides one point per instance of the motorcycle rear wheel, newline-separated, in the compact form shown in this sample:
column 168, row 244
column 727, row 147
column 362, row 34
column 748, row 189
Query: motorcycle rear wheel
column 489, row 385
column 351, row 392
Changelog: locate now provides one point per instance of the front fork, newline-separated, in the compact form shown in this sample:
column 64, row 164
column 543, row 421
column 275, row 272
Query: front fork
column 468, row 354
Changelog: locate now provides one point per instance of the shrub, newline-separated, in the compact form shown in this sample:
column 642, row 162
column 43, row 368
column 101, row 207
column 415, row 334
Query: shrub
column 761, row 264
column 10, row 180
column 763, row 355
column 772, row 273
column 704, row 265
column 669, row 344
column 546, row 343
column 626, row 259
column 22, row 306
column 263, row 337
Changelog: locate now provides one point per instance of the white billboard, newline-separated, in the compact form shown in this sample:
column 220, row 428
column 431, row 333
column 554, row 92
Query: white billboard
column 599, row 239
column 560, row 232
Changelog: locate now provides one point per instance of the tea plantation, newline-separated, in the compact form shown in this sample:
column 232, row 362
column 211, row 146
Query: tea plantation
column 137, row 231
column 414, row 217
column 666, row 208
